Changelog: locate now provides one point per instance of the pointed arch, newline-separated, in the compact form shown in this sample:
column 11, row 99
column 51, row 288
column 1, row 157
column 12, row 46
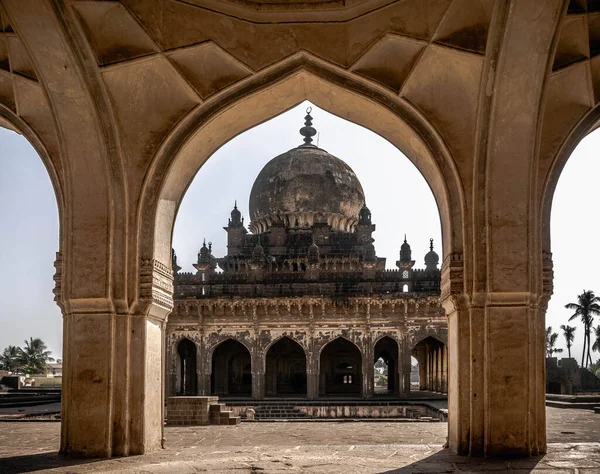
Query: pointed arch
column 231, row 369
column 340, row 364
column 187, row 379
column 387, row 348
column 270, row 93
column 285, row 368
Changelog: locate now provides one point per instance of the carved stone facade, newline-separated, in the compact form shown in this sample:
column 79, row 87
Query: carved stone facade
column 307, row 282
column 126, row 100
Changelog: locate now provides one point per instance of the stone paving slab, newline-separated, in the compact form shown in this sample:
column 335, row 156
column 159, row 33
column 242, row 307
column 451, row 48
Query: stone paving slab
column 323, row 448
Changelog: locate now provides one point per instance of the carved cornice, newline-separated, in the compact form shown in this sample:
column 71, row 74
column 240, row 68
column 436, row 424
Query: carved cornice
column 58, row 280
column 547, row 274
column 156, row 284
column 452, row 276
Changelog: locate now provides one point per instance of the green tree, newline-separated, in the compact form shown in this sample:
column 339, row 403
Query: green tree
column 569, row 333
column 34, row 356
column 551, row 342
column 596, row 346
column 586, row 308
column 9, row 359
column 595, row 368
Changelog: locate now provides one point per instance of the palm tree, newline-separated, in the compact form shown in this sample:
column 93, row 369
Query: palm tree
column 34, row 357
column 596, row 346
column 586, row 308
column 9, row 359
column 569, row 333
column 551, row 342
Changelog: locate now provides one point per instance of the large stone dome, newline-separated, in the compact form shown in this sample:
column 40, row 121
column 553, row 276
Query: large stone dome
column 305, row 186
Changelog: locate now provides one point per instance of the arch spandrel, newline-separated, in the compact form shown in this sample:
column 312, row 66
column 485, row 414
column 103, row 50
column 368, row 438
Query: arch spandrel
column 302, row 78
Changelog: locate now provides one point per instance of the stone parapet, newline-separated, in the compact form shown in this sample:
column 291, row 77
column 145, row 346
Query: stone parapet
column 189, row 411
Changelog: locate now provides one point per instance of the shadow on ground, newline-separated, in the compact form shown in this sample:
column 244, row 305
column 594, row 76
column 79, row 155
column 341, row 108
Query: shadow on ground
column 446, row 462
column 38, row 462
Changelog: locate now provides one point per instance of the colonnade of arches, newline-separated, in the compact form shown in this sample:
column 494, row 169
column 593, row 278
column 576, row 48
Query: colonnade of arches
column 339, row 369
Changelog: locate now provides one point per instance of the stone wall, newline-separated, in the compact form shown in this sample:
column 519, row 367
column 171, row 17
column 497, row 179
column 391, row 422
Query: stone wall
column 189, row 411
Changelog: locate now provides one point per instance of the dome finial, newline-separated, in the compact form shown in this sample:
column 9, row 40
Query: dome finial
column 431, row 244
column 308, row 131
column 404, row 238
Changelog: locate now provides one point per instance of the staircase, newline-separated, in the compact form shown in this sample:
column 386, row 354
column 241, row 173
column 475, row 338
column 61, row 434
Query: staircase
column 278, row 411
column 218, row 415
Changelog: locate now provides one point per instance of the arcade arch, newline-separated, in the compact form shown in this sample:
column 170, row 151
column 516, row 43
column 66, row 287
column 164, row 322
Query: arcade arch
column 186, row 380
column 340, row 368
column 231, row 373
column 285, row 369
column 386, row 350
column 432, row 358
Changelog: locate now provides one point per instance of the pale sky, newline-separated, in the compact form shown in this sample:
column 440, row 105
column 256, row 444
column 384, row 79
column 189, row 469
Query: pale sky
column 397, row 195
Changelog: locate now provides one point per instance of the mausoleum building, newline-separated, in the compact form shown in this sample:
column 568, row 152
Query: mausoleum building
column 301, row 305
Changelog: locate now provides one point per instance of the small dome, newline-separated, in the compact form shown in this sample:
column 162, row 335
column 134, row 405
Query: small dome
column 405, row 252
column 364, row 216
column 431, row 258
column 258, row 252
column 204, row 254
column 236, row 215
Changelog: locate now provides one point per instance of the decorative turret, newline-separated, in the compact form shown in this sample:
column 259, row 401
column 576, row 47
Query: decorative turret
column 206, row 261
column 236, row 219
column 364, row 216
column 405, row 261
column 174, row 265
column 405, row 252
column 431, row 258
column 235, row 232
column 313, row 253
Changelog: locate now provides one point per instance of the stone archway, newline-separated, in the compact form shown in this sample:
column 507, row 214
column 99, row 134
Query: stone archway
column 231, row 373
column 187, row 381
column 301, row 77
column 432, row 357
column 386, row 349
column 285, row 369
column 340, row 369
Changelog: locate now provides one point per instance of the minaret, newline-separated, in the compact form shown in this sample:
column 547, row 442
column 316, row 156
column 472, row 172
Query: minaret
column 405, row 262
column 431, row 259
column 174, row 265
column 235, row 232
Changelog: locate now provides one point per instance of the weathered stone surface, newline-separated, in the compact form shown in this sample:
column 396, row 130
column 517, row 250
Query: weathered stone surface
column 122, row 129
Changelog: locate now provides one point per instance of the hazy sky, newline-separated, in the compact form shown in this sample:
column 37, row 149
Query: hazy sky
column 397, row 195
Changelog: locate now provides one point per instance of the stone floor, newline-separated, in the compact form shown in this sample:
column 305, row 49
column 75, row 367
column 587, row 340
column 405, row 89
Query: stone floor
column 308, row 447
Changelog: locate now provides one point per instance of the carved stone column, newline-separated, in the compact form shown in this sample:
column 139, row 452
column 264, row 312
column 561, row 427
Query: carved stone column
column 368, row 368
column 114, row 378
column 404, row 368
column 258, row 374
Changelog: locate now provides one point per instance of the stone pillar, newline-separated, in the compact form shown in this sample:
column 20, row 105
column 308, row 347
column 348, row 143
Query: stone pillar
column 312, row 375
column 258, row 374
column 404, row 368
column 368, row 369
column 438, row 372
column 114, row 372
column 445, row 369
column 204, row 365
column 170, row 368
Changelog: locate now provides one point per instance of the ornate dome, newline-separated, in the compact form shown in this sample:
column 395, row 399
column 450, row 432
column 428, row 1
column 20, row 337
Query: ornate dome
column 431, row 258
column 305, row 186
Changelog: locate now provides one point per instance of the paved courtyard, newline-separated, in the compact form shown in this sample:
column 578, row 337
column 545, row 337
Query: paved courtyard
column 308, row 447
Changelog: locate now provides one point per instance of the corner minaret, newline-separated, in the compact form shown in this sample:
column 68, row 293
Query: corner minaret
column 235, row 232
column 431, row 259
column 405, row 262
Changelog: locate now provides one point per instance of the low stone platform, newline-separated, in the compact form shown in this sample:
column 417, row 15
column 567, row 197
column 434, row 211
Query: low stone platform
column 323, row 448
column 198, row 411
